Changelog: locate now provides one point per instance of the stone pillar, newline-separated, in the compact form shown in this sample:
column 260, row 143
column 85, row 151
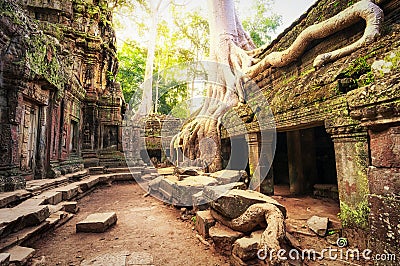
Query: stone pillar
column 41, row 164
column 261, row 147
column 301, row 161
column 352, row 159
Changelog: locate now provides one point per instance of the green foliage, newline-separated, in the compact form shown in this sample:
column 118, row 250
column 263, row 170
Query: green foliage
column 194, row 219
column 354, row 217
column 132, row 63
column 261, row 24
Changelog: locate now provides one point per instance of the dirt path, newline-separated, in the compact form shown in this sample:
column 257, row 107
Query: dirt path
column 147, row 230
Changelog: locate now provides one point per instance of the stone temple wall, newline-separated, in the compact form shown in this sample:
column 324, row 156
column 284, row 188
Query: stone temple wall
column 357, row 100
column 59, row 105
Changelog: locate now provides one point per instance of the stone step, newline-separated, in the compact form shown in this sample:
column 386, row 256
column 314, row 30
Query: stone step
column 20, row 255
column 223, row 238
column 130, row 176
column 19, row 217
column 96, row 169
column 87, row 183
column 23, row 235
column 97, row 222
column 69, row 191
column 13, row 197
column 123, row 169
column 37, row 186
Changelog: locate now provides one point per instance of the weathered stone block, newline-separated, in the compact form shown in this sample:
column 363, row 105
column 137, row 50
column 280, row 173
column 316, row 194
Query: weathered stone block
column 228, row 176
column 20, row 255
column 97, row 222
column 318, row 225
column 50, row 197
column 204, row 221
column 246, row 248
column 200, row 203
column 384, row 180
column 385, row 147
column 384, row 222
column 4, row 259
column 235, row 202
column 70, row 207
column 88, row 183
column 223, row 238
column 69, row 191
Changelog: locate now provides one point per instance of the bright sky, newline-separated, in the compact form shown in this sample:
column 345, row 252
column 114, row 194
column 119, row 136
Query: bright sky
column 290, row 10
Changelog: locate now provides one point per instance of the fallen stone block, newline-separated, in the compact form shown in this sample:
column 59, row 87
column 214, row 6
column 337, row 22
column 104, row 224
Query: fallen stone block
column 7, row 198
column 229, row 176
column 69, row 191
column 204, row 221
column 97, row 222
column 70, row 206
column 20, row 255
column 87, row 183
column 14, row 219
column 318, row 225
column 223, row 238
column 212, row 193
column 4, row 259
column 235, row 202
column 114, row 259
column 246, row 248
column 50, row 197
column 200, row 203
column 186, row 171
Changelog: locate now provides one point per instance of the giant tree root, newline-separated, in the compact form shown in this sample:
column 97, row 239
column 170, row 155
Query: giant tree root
column 260, row 214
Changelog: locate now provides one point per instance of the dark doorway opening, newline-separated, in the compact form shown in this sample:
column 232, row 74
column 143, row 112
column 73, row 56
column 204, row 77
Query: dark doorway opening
column 304, row 163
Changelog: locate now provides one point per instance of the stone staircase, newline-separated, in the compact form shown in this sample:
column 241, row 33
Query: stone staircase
column 25, row 215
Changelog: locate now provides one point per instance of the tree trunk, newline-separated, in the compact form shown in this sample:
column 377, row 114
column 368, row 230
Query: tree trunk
column 236, row 61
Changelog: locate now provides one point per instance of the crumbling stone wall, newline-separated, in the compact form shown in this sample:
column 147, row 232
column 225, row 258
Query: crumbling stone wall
column 357, row 102
column 58, row 94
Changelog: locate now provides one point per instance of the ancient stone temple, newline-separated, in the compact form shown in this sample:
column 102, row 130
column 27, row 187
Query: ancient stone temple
column 337, row 125
column 59, row 105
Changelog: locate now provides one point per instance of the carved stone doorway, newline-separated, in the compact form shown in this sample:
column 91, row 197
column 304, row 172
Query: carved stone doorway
column 29, row 128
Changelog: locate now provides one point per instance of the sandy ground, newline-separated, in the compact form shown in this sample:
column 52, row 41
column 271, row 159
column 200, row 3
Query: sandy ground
column 147, row 230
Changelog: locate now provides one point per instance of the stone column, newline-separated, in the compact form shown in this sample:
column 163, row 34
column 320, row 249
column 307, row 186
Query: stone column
column 301, row 161
column 261, row 147
column 41, row 164
column 352, row 159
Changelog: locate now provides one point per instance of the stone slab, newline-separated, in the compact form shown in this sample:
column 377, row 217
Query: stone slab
column 87, row 183
column 318, row 225
column 70, row 206
column 50, row 197
column 110, row 259
column 23, row 235
column 139, row 258
column 69, row 191
column 21, row 216
column 4, row 259
column 97, row 222
column 228, row 176
column 204, row 221
column 246, row 248
column 223, row 238
column 7, row 198
column 235, row 202
column 20, row 255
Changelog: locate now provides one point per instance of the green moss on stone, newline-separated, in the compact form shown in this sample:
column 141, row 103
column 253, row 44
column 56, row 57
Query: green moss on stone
column 354, row 217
